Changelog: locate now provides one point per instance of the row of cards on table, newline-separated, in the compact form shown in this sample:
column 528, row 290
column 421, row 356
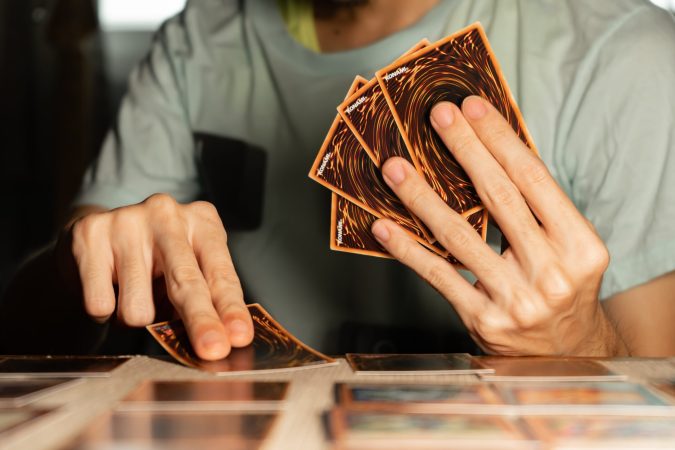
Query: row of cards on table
column 565, row 403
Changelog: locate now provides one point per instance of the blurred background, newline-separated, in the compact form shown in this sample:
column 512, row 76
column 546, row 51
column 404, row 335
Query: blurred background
column 63, row 70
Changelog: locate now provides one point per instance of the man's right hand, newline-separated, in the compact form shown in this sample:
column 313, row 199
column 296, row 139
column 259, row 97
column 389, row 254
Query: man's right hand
column 186, row 244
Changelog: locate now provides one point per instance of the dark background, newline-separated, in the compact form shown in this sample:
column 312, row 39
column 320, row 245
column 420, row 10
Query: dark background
column 62, row 74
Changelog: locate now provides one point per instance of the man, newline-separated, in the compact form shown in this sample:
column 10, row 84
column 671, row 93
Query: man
column 594, row 82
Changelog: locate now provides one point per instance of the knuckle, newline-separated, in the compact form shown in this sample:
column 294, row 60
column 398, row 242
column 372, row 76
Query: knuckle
column 162, row 203
column 226, row 285
column 233, row 308
column 500, row 134
column 205, row 209
column 186, row 274
column 593, row 258
column 221, row 234
column 462, row 144
column 535, row 172
column 455, row 237
column 402, row 250
column 185, row 280
column 124, row 219
column 501, row 193
column 556, row 286
column 418, row 198
column 487, row 327
column 133, row 275
column 525, row 315
column 208, row 215
column 436, row 275
column 85, row 231
column 221, row 274
column 523, row 303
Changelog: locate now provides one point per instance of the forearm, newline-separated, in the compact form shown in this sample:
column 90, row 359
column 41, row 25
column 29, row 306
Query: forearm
column 41, row 311
column 644, row 315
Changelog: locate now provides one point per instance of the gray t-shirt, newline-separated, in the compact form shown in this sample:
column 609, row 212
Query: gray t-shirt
column 595, row 81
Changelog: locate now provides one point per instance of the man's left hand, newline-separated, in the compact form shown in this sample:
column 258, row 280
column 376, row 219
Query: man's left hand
column 541, row 295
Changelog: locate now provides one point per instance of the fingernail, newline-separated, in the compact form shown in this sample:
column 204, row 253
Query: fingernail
column 380, row 231
column 238, row 327
column 212, row 340
column 393, row 172
column 474, row 107
column 442, row 115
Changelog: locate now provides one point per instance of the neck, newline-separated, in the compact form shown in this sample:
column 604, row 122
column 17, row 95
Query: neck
column 340, row 28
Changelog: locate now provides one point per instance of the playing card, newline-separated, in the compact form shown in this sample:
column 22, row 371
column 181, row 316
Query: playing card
column 449, row 70
column 343, row 166
column 368, row 116
column 350, row 229
column 542, row 368
column 608, row 397
column 577, row 433
column 415, row 364
column 428, row 398
column 273, row 348
column 667, row 387
column 206, row 395
column 59, row 366
column 20, row 392
column 395, row 430
column 203, row 430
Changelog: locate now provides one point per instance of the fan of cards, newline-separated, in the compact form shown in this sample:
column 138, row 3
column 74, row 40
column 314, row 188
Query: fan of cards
column 389, row 116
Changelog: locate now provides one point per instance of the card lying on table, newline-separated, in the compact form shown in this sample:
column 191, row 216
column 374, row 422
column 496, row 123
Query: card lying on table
column 666, row 386
column 395, row 430
column 543, row 368
column 590, row 398
column 206, row 395
column 415, row 364
column 273, row 348
column 575, row 433
column 424, row 398
column 203, row 430
column 60, row 366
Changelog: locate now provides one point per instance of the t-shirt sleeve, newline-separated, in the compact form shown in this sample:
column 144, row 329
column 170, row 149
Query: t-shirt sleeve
column 149, row 148
column 619, row 149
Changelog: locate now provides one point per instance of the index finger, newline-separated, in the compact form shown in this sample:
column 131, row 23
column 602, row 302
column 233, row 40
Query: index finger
column 548, row 201
column 188, row 291
column 210, row 245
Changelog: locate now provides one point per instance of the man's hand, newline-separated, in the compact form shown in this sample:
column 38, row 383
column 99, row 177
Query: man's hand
column 186, row 244
column 541, row 295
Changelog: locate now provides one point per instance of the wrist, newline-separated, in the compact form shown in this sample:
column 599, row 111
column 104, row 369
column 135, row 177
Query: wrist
column 606, row 341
